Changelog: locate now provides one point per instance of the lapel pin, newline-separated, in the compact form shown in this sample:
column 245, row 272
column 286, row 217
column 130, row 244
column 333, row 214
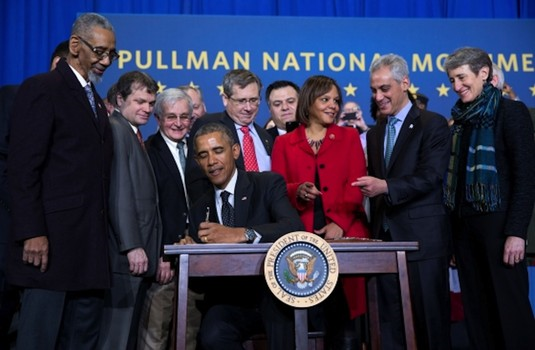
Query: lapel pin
column 244, row 198
column 411, row 126
column 331, row 136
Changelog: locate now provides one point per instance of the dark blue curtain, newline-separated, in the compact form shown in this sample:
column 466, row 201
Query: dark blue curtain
column 30, row 29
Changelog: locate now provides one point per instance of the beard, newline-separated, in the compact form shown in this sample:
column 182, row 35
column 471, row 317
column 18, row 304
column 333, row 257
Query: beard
column 94, row 78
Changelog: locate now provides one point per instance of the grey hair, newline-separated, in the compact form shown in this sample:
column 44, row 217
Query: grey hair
column 186, row 88
column 85, row 23
column 397, row 64
column 499, row 73
column 240, row 77
column 170, row 96
column 472, row 56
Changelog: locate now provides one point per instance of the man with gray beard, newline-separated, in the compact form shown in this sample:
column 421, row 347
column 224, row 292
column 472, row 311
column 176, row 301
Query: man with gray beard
column 58, row 171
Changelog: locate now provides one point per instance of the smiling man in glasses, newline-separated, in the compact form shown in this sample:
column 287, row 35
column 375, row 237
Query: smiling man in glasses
column 58, row 172
column 241, row 98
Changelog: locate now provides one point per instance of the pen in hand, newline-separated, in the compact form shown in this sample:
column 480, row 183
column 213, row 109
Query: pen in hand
column 207, row 219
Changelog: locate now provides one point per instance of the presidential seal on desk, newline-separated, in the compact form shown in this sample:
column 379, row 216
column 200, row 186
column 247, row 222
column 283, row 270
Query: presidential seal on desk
column 301, row 269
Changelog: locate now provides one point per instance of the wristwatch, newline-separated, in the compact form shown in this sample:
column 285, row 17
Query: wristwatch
column 250, row 235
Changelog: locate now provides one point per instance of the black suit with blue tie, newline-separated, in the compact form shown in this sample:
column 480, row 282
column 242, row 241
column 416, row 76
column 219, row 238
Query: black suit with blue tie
column 413, row 211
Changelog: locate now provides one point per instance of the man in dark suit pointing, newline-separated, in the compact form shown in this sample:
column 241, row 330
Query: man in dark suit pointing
column 408, row 152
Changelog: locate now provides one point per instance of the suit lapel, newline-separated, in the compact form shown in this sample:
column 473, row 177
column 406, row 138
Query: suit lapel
column 167, row 157
column 298, row 138
column 266, row 138
column 80, row 95
column 242, row 199
column 380, row 148
column 407, row 129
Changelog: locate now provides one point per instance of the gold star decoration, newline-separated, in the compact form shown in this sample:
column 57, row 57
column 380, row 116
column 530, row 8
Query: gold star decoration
column 532, row 88
column 161, row 87
column 443, row 90
column 220, row 88
column 193, row 85
column 413, row 89
column 350, row 89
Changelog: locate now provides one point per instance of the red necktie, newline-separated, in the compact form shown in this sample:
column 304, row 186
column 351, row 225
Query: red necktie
column 140, row 138
column 249, row 154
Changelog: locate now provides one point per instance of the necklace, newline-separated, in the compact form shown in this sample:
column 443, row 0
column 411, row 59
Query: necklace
column 315, row 144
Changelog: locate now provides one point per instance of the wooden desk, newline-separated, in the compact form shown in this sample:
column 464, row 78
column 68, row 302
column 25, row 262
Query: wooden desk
column 369, row 258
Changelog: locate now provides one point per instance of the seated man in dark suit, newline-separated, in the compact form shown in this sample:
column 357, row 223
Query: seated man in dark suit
column 240, row 207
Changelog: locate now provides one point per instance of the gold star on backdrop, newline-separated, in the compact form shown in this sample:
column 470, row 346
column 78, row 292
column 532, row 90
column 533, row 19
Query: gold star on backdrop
column 193, row 85
column 413, row 89
column 350, row 89
column 161, row 87
column 220, row 88
column 532, row 88
column 443, row 90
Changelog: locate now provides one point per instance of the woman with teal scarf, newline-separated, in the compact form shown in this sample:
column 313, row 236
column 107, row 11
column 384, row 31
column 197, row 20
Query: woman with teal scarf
column 490, row 190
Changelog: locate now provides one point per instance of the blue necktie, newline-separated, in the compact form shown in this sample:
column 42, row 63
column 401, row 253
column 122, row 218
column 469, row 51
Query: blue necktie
column 91, row 98
column 181, row 155
column 227, row 211
column 390, row 138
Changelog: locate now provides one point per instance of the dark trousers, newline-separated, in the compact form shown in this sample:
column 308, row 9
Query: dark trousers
column 226, row 327
column 52, row 320
column 430, row 298
column 495, row 297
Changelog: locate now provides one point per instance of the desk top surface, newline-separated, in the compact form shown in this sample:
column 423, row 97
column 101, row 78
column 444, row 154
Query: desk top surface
column 240, row 248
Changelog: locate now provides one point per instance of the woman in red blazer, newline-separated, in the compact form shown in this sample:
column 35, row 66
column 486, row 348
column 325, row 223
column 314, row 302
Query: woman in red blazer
column 319, row 160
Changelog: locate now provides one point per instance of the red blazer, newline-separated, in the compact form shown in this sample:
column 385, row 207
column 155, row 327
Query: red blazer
column 340, row 161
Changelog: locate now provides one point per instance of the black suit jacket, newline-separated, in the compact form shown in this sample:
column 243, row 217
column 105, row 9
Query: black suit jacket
column 196, row 181
column 59, row 172
column 414, row 207
column 172, row 197
column 273, row 132
column 261, row 203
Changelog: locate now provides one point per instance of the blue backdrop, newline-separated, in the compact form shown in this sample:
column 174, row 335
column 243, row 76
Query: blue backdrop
column 336, row 37
column 202, row 48
column 30, row 29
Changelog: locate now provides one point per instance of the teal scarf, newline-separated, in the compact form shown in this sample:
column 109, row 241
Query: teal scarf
column 482, row 188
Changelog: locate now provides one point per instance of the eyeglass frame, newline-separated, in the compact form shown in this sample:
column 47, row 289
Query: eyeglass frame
column 254, row 101
column 111, row 54
column 184, row 118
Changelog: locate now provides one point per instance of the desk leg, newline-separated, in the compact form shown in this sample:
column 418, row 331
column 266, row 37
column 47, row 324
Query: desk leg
column 406, row 300
column 373, row 313
column 182, row 301
column 301, row 329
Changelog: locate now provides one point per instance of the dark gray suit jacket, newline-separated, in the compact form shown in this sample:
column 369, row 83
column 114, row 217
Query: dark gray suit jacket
column 414, row 207
column 134, row 216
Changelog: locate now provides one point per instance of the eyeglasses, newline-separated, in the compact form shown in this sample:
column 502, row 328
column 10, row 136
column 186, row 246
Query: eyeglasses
column 255, row 101
column 101, row 54
column 184, row 118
